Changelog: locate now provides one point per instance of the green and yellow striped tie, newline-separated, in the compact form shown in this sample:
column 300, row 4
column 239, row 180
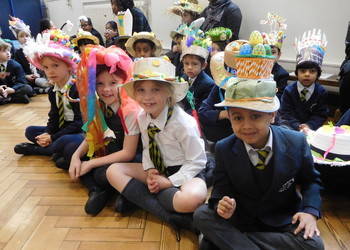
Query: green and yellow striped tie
column 2, row 68
column 154, row 152
column 109, row 112
column 262, row 154
column 60, row 109
column 303, row 94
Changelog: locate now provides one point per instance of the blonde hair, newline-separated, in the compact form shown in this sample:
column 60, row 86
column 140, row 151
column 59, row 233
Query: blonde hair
column 23, row 32
column 167, row 87
column 5, row 46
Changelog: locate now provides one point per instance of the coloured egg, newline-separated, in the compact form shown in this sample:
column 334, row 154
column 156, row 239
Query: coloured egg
column 255, row 38
column 268, row 50
column 259, row 50
column 246, row 49
column 234, row 46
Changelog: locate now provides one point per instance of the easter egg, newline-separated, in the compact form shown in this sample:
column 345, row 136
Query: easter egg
column 268, row 50
column 255, row 38
column 246, row 49
column 259, row 50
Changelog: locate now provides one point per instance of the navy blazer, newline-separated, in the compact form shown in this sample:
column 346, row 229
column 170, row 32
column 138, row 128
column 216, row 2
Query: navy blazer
column 281, row 76
column 17, row 77
column 200, row 88
column 71, row 127
column 314, row 112
column 293, row 165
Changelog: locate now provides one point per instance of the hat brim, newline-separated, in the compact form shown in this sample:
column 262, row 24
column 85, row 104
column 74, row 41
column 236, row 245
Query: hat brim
column 93, row 38
column 36, row 61
column 181, row 88
column 262, row 105
column 130, row 48
column 218, row 69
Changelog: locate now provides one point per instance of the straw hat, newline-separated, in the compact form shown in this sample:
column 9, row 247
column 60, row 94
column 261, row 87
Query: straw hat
column 153, row 68
column 54, row 43
column 85, row 35
column 259, row 95
column 143, row 35
column 185, row 5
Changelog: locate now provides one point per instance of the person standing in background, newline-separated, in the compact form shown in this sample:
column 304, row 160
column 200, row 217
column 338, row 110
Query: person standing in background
column 222, row 13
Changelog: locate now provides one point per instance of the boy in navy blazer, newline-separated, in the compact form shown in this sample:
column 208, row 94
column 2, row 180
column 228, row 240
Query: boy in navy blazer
column 254, row 203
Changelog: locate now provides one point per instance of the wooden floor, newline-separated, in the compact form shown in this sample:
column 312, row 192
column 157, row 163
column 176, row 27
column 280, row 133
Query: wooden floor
column 40, row 208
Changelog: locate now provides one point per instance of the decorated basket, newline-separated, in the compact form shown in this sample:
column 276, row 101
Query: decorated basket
column 254, row 68
column 231, row 51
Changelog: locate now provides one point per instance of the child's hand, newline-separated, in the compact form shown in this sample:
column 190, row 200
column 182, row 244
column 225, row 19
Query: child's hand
column 306, row 222
column 304, row 128
column 86, row 167
column 226, row 207
column 31, row 78
column 176, row 48
column 74, row 168
column 43, row 140
column 151, row 181
column 4, row 74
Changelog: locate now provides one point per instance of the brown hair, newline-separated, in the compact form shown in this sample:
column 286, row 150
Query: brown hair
column 5, row 46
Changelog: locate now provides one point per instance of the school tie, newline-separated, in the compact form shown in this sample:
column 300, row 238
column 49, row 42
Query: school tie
column 154, row 152
column 262, row 154
column 303, row 94
column 190, row 81
column 60, row 109
column 2, row 68
column 109, row 112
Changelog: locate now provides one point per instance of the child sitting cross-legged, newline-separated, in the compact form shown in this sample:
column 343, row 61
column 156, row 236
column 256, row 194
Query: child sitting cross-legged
column 266, row 191
column 169, row 183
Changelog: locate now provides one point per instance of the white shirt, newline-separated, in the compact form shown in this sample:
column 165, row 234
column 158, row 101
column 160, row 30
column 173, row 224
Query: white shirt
column 253, row 153
column 310, row 89
column 68, row 112
column 130, row 113
column 179, row 142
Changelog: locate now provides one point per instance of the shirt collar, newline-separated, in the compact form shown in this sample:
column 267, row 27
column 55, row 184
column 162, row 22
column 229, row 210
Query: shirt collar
column 160, row 120
column 57, row 88
column 267, row 147
column 301, row 87
column 114, row 107
column 4, row 63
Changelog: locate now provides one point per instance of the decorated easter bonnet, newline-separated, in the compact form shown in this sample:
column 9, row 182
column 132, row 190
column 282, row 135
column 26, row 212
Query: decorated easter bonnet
column 179, row 31
column 311, row 47
column 276, row 34
column 259, row 95
column 85, row 35
column 16, row 25
column 185, row 5
column 124, row 23
column 95, row 124
column 195, row 42
column 143, row 35
column 159, row 69
column 219, row 34
column 231, row 51
column 53, row 43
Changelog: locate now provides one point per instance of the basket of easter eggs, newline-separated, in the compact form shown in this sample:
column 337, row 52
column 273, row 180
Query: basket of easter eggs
column 255, row 59
column 232, row 50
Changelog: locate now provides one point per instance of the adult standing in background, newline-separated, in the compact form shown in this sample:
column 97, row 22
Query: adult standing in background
column 86, row 25
column 140, row 22
column 222, row 13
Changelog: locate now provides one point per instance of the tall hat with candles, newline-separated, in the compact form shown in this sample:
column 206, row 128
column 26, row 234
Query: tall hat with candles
column 311, row 47
column 276, row 34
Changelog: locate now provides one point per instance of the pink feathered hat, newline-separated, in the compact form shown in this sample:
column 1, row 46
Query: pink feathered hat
column 54, row 43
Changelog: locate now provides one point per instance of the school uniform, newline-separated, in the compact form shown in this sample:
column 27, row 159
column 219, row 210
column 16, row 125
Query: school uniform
column 200, row 87
column 313, row 112
column 266, row 201
column 214, row 129
column 178, row 141
column 71, row 126
column 17, row 80
column 281, row 76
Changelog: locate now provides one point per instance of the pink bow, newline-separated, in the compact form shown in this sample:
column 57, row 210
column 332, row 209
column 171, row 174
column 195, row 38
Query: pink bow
column 113, row 60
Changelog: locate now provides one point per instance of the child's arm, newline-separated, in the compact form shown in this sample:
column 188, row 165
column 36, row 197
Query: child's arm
column 307, row 222
column 288, row 107
column 75, row 163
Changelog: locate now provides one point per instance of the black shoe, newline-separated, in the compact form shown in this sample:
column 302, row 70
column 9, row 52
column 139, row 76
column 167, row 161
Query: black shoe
column 25, row 148
column 123, row 205
column 56, row 156
column 62, row 163
column 98, row 199
column 181, row 221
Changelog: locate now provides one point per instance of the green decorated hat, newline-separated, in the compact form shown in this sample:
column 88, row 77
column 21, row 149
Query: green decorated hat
column 219, row 34
column 259, row 95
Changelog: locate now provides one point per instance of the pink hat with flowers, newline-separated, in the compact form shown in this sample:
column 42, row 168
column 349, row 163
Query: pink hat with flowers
column 53, row 43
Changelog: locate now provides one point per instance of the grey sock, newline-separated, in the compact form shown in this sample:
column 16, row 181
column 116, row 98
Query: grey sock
column 138, row 193
column 166, row 196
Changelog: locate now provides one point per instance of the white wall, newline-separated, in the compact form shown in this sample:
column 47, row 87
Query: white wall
column 301, row 15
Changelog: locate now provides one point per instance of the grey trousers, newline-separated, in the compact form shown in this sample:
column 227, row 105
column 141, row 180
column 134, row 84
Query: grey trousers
column 225, row 236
